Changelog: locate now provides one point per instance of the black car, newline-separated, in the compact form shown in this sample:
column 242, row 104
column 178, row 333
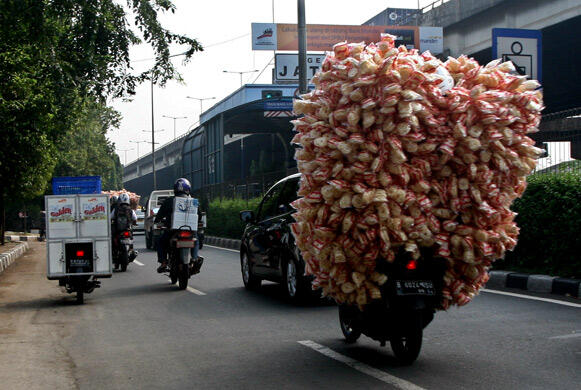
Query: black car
column 268, row 250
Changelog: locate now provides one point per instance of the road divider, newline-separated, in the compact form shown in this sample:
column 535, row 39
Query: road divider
column 361, row 367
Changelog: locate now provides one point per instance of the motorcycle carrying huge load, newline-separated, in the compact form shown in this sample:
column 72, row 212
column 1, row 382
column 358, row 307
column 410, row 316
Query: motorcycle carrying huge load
column 78, row 234
column 409, row 167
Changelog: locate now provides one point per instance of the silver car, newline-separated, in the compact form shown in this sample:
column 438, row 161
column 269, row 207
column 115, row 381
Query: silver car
column 140, row 227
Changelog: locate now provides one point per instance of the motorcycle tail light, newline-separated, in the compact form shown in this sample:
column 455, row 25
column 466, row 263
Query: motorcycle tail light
column 126, row 234
column 185, row 234
column 411, row 265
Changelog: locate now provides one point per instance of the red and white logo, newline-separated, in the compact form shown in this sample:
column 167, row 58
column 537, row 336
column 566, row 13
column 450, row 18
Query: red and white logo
column 266, row 34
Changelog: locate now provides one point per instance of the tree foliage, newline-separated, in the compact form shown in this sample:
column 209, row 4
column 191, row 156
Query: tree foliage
column 60, row 60
column 550, row 234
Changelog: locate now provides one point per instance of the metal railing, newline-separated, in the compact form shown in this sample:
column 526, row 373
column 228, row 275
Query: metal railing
column 558, row 159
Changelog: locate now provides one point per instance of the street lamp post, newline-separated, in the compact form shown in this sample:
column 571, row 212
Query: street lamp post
column 241, row 73
column 153, row 143
column 125, row 150
column 174, row 122
column 200, row 100
column 138, row 142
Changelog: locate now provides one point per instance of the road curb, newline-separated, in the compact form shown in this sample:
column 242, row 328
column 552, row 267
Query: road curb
column 12, row 255
column 227, row 243
column 535, row 283
column 17, row 238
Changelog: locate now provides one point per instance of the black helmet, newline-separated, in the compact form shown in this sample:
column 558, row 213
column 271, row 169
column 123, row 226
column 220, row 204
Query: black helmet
column 182, row 186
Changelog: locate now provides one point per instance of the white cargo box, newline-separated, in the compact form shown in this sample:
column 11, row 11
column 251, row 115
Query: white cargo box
column 78, row 235
column 185, row 213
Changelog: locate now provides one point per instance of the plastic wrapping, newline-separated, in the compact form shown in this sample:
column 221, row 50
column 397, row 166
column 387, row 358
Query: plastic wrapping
column 410, row 152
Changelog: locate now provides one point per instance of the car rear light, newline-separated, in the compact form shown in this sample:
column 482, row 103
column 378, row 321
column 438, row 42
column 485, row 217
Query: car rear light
column 80, row 253
column 126, row 234
column 411, row 265
column 185, row 234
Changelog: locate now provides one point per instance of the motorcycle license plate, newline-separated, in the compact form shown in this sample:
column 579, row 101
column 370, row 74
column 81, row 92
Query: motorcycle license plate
column 415, row 287
column 126, row 242
column 185, row 244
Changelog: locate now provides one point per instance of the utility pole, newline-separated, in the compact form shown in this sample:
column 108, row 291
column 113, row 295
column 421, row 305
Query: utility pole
column 303, row 87
column 174, row 122
column 153, row 138
column 153, row 143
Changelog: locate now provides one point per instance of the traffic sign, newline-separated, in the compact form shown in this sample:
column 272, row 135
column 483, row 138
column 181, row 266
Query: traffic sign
column 522, row 47
column 286, row 66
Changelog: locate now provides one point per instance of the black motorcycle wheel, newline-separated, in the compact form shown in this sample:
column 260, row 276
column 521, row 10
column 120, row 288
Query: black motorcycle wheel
column 123, row 260
column 184, row 276
column 347, row 322
column 173, row 275
column 80, row 296
column 406, row 346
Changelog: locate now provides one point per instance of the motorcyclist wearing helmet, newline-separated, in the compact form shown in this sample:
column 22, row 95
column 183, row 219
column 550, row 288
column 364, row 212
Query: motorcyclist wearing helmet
column 113, row 202
column 123, row 207
column 181, row 189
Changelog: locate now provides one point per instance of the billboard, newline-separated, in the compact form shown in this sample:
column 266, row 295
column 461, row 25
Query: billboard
column 322, row 37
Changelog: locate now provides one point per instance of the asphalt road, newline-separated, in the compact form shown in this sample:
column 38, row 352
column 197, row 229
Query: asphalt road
column 138, row 331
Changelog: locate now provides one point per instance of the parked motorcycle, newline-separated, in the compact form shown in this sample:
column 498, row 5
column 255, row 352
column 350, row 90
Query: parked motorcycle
column 180, row 264
column 123, row 252
column 409, row 300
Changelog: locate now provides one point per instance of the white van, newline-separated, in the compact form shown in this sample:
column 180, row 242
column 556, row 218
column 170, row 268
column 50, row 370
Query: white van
column 153, row 204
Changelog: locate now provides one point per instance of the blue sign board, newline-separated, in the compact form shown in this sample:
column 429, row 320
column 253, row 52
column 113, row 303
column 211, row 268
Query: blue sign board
column 278, row 105
column 522, row 47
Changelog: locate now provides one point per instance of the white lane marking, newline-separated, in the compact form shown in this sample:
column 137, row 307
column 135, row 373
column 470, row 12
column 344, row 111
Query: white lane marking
column 533, row 298
column 139, row 263
column 577, row 333
column 364, row 368
column 193, row 290
column 224, row 249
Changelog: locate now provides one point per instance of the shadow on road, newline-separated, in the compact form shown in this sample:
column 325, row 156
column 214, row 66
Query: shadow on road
column 42, row 303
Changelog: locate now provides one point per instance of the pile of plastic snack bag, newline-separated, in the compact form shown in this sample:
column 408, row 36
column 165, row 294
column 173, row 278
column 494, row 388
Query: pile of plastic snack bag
column 133, row 197
column 398, row 149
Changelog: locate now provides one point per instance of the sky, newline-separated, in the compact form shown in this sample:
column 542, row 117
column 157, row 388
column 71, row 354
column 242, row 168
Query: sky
column 223, row 28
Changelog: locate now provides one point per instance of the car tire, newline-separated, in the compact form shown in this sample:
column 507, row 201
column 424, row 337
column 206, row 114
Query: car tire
column 251, row 282
column 295, row 286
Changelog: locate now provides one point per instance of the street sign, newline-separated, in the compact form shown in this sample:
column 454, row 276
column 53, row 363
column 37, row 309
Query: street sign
column 277, row 105
column 286, row 66
column 522, row 47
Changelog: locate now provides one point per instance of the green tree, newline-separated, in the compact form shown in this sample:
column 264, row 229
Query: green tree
column 85, row 149
column 56, row 56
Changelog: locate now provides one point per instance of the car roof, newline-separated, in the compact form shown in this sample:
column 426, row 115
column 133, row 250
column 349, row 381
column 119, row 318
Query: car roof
column 295, row 175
